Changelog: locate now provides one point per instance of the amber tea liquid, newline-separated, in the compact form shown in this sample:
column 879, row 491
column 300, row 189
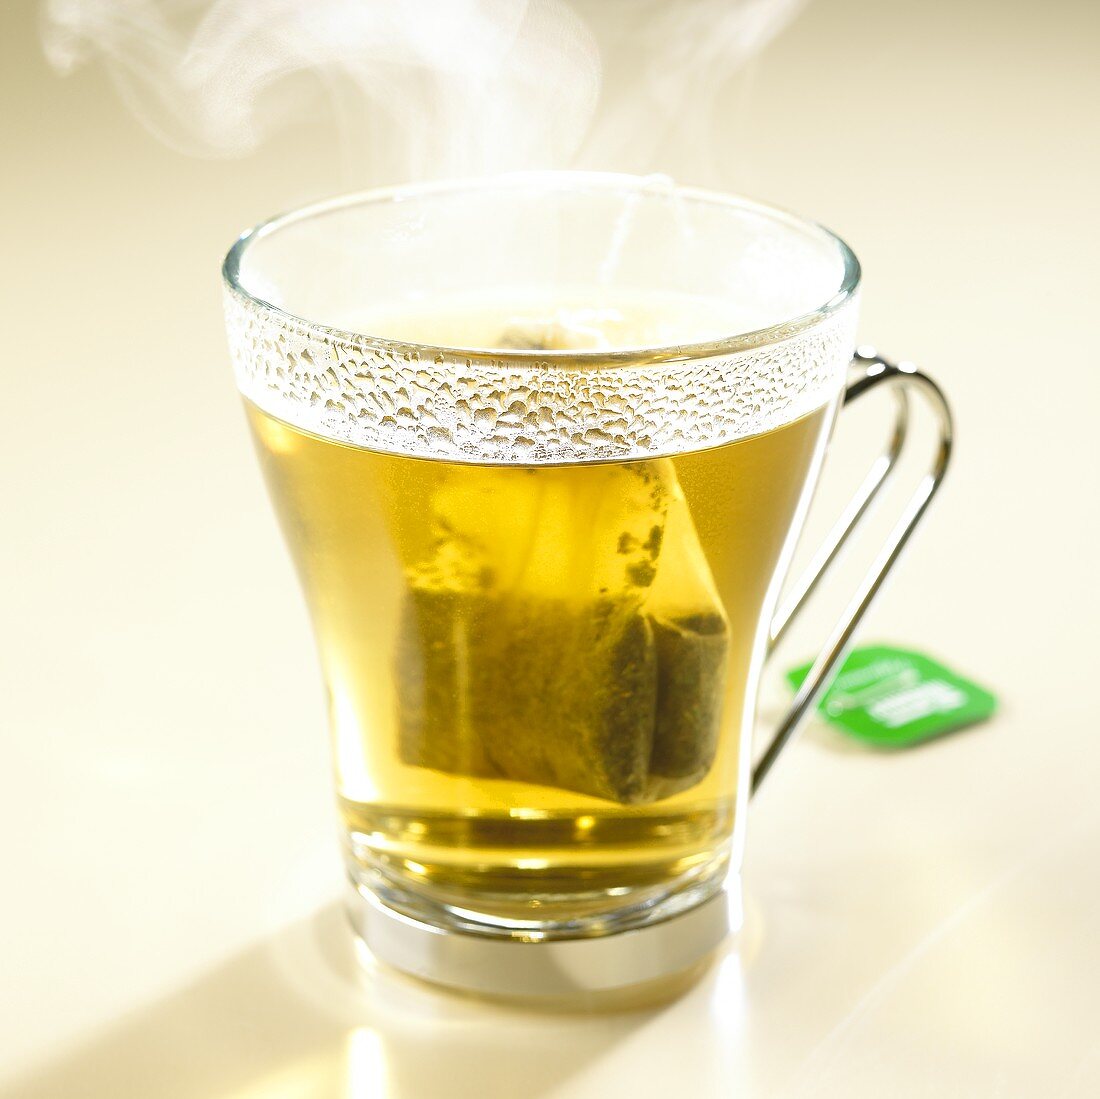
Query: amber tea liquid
column 540, row 675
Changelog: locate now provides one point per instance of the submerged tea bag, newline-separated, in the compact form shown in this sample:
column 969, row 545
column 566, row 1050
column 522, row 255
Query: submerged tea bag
column 690, row 635
column 562, row 628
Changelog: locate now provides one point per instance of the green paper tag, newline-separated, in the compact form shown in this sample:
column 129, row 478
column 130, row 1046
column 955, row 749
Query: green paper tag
column 893, row 698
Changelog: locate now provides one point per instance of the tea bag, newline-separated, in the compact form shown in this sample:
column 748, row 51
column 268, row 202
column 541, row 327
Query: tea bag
column 690, row 634
column 562, row 629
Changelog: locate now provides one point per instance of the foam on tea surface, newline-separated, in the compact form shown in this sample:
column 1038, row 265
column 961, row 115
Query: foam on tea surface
column 424, row 379
column 607, row 319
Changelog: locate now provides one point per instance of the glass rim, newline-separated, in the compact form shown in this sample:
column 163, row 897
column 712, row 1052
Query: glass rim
column 561, row 180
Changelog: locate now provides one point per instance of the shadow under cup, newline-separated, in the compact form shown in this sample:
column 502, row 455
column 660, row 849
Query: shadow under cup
column 540, row 447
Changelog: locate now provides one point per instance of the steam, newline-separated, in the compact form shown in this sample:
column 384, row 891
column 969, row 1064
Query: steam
column 423, row 88
column 666, row 63
column 440, row 87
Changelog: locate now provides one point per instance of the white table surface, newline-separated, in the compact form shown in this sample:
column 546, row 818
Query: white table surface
column 919, row 924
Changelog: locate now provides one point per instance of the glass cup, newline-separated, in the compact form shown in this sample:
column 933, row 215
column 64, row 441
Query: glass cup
column 541, row 447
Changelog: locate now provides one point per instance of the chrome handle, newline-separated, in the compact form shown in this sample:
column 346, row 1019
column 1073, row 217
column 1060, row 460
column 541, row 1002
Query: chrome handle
column 906, row 380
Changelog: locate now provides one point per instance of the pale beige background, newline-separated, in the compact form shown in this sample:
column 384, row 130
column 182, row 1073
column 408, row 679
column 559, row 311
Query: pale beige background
column 919, row 925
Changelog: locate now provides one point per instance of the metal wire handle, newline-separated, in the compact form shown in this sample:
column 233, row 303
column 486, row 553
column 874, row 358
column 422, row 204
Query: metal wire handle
column 905, row 379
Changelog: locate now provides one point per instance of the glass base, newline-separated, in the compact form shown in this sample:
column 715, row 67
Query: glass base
column 672, row 943
column 579, row 907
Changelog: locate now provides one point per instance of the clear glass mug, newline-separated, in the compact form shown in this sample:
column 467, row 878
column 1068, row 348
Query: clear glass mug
column 541, row 447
